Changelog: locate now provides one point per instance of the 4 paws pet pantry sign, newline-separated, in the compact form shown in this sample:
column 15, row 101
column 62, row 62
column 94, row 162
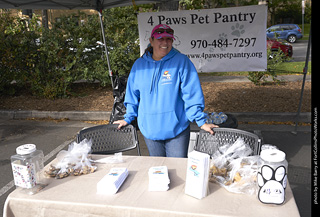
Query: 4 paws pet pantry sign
column 215, row 40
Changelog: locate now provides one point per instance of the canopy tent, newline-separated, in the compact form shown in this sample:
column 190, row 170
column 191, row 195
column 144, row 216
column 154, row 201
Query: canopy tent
column 70, row 4
column 98, row 5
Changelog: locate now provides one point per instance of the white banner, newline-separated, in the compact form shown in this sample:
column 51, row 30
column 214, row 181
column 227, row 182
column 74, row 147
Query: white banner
column 215, row 40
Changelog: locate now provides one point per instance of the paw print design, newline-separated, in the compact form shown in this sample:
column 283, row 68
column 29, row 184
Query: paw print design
column 211, row 49
column 272, row 184
column 237, row 30
column 147, row 36
column 176, row 42
column 223, row 37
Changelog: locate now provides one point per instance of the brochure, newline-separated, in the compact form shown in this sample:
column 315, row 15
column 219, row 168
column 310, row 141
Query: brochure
column 158, row 178
column 111, row 182
column 197, row 174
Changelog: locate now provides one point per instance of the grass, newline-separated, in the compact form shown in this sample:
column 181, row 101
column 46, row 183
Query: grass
column 293, row 68
column 285, row 68
column 223, row 73
column 306, row 31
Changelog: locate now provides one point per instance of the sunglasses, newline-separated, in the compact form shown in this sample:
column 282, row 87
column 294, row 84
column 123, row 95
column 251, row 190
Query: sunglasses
column 160, row 31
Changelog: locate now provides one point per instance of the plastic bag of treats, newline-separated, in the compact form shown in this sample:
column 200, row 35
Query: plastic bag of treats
column 74, row 161
column 233, row 168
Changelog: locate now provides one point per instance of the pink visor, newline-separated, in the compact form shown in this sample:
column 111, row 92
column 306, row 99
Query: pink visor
column 162, row 30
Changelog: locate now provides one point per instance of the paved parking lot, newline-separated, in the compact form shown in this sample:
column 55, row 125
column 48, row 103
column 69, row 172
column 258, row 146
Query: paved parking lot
column 300, row 51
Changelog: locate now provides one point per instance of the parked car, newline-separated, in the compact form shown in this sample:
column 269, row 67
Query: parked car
column 289, row 32
column 274, row 45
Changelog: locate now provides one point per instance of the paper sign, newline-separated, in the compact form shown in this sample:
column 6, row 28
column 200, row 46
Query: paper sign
column 215, row 40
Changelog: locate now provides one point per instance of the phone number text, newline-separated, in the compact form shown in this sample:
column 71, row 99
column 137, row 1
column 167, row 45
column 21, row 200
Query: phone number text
column 219, row 43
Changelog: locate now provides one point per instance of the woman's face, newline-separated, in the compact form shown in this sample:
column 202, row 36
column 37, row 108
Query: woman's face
column 161, row 47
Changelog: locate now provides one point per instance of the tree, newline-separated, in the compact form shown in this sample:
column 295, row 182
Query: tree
column 168, row 6
column 204, row 4
column 121, row 29
column 47, row 61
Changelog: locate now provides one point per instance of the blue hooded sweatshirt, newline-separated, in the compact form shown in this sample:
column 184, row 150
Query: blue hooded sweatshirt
column 165, row 95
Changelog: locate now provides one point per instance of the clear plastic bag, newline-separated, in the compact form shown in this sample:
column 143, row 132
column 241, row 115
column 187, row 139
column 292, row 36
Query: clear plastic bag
column 233, row 168
column 116, row 158
column 74, row 161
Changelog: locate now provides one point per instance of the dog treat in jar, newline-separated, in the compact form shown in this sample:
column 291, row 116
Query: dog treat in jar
column 26, row 167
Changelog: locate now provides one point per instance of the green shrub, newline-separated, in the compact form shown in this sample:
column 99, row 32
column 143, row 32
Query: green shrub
column 274, row 59
column 48, row 61
column 121, row 28
column 18, row 49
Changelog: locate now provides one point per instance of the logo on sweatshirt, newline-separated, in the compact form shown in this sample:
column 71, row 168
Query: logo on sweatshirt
column 166, row 78
column 166, row 75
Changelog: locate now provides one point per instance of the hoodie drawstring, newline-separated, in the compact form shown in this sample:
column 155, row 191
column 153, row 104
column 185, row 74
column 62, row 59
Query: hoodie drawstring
column 157, row 74
column 155, row 78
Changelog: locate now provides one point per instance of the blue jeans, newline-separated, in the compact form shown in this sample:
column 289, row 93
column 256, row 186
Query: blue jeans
column 175, row 147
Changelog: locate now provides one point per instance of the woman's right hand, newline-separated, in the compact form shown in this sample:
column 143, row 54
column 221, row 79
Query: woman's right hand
column 122, row 123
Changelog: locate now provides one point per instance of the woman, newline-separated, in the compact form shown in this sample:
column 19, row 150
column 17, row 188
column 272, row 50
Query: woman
column 164, row 92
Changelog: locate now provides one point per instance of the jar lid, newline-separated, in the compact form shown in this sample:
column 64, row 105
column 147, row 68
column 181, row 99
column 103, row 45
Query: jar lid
column 26, row 149
column 273, row 155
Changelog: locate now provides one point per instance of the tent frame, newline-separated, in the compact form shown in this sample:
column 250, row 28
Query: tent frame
column 105, row 47
column 305, row 71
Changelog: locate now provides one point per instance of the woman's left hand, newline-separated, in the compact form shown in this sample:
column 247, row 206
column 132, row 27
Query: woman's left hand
column 209, row 127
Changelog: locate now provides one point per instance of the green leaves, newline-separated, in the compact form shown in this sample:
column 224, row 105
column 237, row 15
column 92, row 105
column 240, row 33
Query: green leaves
column 274, row 59
column 48, row 61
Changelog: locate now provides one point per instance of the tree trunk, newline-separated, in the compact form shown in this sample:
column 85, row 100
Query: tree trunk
column 168, row 6
column 45, row 18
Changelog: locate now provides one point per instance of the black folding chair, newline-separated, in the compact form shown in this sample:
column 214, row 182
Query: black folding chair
column 209, row 144
column 107, row 139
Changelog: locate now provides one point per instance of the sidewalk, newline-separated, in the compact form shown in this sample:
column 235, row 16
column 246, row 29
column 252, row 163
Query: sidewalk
column 105, row 115
column 304, row 117
column 210, row 78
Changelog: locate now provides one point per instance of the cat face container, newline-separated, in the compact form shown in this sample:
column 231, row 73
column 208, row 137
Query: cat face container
column 272, row 176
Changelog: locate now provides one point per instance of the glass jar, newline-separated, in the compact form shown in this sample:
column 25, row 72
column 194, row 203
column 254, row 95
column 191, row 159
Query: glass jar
column 27, row 165
column 272, row 176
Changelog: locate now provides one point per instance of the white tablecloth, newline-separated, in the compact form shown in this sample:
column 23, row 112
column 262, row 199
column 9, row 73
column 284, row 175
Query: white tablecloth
column 76, row 196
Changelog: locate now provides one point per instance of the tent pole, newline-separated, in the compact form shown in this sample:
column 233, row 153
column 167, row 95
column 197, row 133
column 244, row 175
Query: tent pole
column 105, row 46
column 305, row 70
